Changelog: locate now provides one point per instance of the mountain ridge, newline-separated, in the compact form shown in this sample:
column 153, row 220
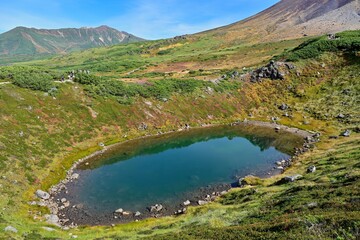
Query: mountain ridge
column 29, row 41
column 289, row 19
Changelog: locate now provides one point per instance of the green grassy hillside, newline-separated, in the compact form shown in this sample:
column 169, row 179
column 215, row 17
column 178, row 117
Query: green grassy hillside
column 202, row 57
column 46, row 125
column 23, row 43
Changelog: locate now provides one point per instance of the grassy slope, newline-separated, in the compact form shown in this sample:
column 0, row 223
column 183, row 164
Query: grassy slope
column 169, row 58
column 59, row 131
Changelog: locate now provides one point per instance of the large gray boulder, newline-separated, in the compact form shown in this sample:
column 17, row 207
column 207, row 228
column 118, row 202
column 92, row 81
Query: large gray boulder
column 43, row 195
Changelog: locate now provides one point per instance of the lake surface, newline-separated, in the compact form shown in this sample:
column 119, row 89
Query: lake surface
column 172, row 168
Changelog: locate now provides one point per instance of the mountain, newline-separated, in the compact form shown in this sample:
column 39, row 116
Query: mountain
column 30, row 41
column 291, row 19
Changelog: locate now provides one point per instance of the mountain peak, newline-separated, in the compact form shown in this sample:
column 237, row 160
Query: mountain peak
column 28, row 41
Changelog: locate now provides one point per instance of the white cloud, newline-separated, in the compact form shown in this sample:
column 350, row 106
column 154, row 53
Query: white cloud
column 159, row 19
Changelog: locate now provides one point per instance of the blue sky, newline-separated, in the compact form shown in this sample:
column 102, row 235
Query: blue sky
column 150, row 19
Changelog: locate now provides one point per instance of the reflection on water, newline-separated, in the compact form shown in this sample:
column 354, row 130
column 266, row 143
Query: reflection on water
column 166, row 169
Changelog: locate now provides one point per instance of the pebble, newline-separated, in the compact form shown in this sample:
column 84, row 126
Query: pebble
column 201, row 202
column 10, row 229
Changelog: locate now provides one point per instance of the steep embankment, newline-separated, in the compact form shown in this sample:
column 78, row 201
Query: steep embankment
column 43, row 133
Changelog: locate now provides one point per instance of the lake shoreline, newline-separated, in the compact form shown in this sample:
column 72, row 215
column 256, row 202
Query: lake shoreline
column 80, row 216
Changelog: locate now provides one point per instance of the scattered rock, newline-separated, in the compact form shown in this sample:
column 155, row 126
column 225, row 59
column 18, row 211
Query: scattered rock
column 209, row 90
column 156, row 208
column 180, row 211
column 223, row 193
column 311, row 169
column 292, row 178
column 125, row 213
column 43, row 195
column 137, row 214
column 202, row 202
column 10, row 229
column 290, row 66
column 286, row 114
column 143, row 126
column 346, row 133
column 48, row 229
column 187, row 203
column 52, row 219
column 33, row 203
column 312, row 205
column 340, row 116
column 75, row 176
column 120, row 210
column 283, row 107
column 346, row 91
column 66, row 204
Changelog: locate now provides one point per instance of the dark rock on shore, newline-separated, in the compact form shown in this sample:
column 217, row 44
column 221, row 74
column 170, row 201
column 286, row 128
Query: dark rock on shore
column 156, row 208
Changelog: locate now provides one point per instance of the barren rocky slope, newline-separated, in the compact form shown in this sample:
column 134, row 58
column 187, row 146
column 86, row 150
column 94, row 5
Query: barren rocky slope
column 290, row 19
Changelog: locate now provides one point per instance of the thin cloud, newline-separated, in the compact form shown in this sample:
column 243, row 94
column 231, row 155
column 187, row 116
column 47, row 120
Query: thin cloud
column 153, row 19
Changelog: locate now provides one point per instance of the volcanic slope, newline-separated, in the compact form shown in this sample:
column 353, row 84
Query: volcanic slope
column 291, row 19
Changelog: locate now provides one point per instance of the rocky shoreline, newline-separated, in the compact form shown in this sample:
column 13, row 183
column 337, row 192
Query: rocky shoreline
column 67, row 215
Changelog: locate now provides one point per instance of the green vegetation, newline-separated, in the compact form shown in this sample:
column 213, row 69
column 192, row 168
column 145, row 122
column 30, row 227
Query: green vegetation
column 346, row 41
column 30, row 43
column 41, row 136
column 142, row 60
column 29, row 77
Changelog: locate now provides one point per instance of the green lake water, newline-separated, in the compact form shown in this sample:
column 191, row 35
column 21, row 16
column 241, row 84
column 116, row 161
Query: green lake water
column 169, row 169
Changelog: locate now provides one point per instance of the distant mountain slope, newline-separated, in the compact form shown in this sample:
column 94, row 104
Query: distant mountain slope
column 290, row 19
column 29, row 41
